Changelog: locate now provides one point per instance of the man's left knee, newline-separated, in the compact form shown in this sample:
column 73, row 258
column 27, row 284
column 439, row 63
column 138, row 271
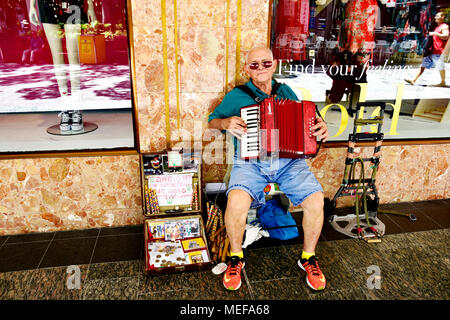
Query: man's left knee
column 313, row 202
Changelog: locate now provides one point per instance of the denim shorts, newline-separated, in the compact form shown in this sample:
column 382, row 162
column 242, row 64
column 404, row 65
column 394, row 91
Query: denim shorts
column 292, row 176
column 433, row 60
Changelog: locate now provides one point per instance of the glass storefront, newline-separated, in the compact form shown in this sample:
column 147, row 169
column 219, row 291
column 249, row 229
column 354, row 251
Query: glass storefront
column 337, row 53
column 62, row 59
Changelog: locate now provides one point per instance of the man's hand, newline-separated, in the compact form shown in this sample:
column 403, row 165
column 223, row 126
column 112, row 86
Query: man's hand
column 321, row 129
column 235, row 125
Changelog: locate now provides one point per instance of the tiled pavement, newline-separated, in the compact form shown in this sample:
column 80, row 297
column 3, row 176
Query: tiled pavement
column 413, row 260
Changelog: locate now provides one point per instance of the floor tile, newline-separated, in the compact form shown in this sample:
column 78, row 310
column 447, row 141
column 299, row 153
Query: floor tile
column 179, row 281
column 431, row 203
column 70, row 234
column 433, row 240
column 440, row 215
column 15, row 285
column 111, row 289
column 397, row 206
column 413, row 259
column 118, row 269
column 113, row 231
column 18, row 256
column 350, row 294
column 66, row 252
column 422, row 223
column 391, row 227
column 213, row 291
column 30, row 237
column 197, row 285
column 338, row 274
column 3, row 240
column 356, row 253
column 270, row 263
column 280, row 289
column 118, row 248
column 189, row 294
column 60, row 283
column 420, row 275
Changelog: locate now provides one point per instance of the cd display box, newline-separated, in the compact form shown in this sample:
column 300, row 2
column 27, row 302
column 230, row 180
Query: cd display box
column 175, row 238
column 171, row 183
column 175, row 244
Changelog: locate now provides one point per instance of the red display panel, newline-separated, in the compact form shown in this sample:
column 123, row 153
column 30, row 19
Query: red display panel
column 57, row 55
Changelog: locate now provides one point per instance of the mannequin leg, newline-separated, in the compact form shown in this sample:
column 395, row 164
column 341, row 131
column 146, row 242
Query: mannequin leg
column 56, row 48
column 73, row 32
column 26, row 56
column 52, row 32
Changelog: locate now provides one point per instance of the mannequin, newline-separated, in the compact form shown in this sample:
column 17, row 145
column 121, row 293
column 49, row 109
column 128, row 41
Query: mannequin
column 70, row 14
column 360, row 22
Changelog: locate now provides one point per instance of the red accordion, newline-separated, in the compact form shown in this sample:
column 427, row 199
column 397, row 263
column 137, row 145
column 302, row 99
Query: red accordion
column 279, row 126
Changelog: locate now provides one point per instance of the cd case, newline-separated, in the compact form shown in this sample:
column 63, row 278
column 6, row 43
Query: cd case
column 175, row 244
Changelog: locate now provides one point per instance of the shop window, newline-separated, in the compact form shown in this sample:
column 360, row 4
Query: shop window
column 337, row 53
column 65, row 77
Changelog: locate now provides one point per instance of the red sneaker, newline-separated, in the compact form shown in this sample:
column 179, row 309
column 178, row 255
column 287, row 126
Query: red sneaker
column 314, row 276
column 232, row 276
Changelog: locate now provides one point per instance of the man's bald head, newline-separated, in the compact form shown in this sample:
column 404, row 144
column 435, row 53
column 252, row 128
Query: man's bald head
column 256, row 50
column 260, row 66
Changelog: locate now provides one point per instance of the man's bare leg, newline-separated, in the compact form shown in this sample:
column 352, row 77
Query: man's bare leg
column 312, row 226
column 312, row 220
column 238, row 205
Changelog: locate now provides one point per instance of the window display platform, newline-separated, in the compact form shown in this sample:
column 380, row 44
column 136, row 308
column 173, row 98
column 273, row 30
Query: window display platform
column 87, row 127
column 34, row 88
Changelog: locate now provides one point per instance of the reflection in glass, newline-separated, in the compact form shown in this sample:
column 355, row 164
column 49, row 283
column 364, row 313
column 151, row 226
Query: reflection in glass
column 63, row 55
column 54, row 14
column 341, row 52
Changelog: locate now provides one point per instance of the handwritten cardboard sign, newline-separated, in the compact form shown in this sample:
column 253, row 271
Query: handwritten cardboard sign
column 172, row 189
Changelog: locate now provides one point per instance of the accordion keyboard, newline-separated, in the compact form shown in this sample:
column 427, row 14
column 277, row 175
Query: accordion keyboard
column 250, row 146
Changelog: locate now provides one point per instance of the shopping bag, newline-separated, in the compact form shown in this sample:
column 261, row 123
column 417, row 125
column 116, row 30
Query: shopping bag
column 272, row 215
column 92, row 49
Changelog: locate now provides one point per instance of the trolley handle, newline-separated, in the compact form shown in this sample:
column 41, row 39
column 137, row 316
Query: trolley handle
column 382, row 105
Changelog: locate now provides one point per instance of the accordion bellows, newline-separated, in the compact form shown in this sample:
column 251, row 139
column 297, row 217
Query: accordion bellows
column 281, row 127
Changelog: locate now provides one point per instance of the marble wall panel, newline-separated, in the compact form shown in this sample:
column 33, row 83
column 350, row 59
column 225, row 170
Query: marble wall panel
column 48, row 194
column 255, row 14
column 195, row 109
column 202, row 54
column 194, row 13
column 250, row 38
column 203, row 37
